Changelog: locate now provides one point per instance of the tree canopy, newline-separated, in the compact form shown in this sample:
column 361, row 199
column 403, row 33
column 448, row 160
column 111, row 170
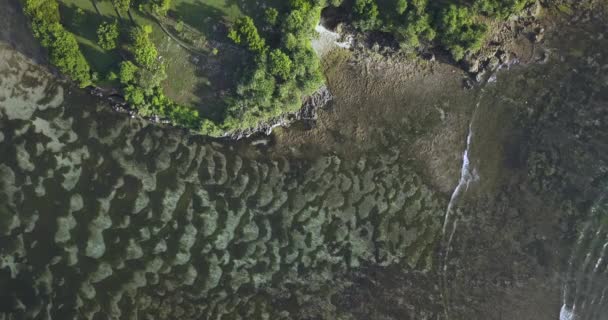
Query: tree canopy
column 63, row 48
column 107, row 33
column 458, row 26
column 245, row 32
column 142, row 47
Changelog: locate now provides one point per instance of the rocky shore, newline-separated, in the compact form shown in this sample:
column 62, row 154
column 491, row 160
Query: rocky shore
column 508, row 43
column 307, row 113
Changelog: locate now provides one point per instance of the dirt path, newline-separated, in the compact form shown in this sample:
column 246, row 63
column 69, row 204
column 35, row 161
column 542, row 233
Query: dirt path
column 177, row 40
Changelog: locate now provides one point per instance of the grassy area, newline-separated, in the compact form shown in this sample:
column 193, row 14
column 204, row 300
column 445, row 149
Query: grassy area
column 81, row 18
column 187, row 80
column 166, row 65
column 207, row 16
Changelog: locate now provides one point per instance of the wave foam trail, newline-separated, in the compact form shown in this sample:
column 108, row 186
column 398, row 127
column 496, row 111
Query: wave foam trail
column 586, row 280
column 468, row 174
column 566, row 313
column 328, row 40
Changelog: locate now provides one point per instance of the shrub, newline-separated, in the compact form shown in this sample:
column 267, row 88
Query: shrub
column 161, row 7
column 459, row 31
column 122, row 5
column 142, row 47
column 107, row 33
column 271, row 16
column 62, row 45
column 279, row 64
column 245, row 32
column 127, row 72
column 134, row 95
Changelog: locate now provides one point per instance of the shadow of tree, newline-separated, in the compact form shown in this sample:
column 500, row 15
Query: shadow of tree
column 84, row 23
column 210, row 21
column 222, row 72
column 256, row 8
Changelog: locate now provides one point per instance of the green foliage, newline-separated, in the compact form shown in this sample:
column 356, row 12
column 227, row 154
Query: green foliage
column 209, row 128
column 184, row 116
column 127, row 72
column 275, row 82
column 46, row 11
column 122, row 5
column 143, row 48
column 400, row 6
column 245, row 32
column 460, row 32
column 161, row 7
column 107, row 33
column 66, row 55
column 150, row 79
column 271, row 16
column 275, row 76
column 456, row 25
column 112, row 76
column 179, row 26
column 134, row 95
column 62, row 45
column 367, row 12
column 502, row 8
column 279, row 64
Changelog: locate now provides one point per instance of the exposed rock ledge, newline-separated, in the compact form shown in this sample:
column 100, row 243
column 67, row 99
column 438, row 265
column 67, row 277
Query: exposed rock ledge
column 308, row 112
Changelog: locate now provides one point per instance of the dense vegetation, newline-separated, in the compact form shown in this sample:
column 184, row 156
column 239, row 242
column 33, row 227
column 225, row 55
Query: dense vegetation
column 279, row 65
column 458, row 25
column 281, row 69
column 63, row 49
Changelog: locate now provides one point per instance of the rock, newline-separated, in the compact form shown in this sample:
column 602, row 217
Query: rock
column 473, row 66
column 480, row 76
column 467, row 83
column 493, row 63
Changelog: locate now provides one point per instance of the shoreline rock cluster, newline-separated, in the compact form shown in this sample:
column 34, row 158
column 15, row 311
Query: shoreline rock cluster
column 307, row 113
column 500, row 50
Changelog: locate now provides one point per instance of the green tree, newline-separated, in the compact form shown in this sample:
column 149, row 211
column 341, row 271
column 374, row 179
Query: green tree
column 42, row 10
column 400, row 6
column 134, row 95
column 65, row 55
column 143, row 48
column 161, row 7
column 271, row 16
column 127, row 72
column 122, row 5
column 64, row 52
column 460, row 32
column 367, row 10
column 107, row 33
column 279, row 64
column 245, row 32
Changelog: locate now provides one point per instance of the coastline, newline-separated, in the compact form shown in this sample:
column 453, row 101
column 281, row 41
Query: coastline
column 479, row 67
